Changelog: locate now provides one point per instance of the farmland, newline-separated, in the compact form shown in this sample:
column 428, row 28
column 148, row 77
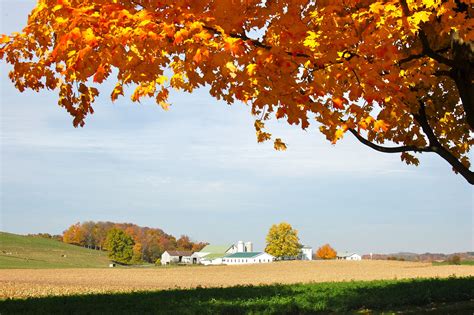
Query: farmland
column 41, row 282
column 45, row 276
column 415, row 296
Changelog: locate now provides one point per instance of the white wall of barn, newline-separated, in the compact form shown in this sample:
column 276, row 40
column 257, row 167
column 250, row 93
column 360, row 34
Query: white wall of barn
column 260, row 259
column 165, row 258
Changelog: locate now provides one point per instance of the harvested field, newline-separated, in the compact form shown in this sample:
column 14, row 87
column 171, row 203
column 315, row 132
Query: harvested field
column 41, row 282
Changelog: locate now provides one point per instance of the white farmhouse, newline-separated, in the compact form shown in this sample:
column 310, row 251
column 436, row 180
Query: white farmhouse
column 240, row 258
column 306, row 253
column 348, row 256
column 176, row 257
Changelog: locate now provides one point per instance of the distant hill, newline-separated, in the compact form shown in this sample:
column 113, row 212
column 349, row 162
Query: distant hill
column 17, row 251
column 426, row 257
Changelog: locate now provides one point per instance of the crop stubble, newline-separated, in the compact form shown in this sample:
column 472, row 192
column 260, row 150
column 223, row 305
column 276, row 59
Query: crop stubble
column 20, row 283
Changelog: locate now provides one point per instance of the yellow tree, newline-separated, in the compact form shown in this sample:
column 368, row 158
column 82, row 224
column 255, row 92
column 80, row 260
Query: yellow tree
column 74, row 235
column 326, row 252
column 282, row 241
column 396, row 74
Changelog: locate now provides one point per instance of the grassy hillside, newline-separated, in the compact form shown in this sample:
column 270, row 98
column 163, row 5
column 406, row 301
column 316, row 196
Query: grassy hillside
column 17, row 251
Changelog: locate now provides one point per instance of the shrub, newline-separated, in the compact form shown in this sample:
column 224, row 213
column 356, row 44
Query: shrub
column 455, row 260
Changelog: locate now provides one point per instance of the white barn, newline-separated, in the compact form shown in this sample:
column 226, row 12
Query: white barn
column 176, row 257
column 212, row 254
column 348, row 256
column 241, row 258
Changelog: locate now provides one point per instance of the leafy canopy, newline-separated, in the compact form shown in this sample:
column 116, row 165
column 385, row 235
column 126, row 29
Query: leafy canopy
column 326, row 252
column 120, row 246
column 397, row 71
column 282, row 241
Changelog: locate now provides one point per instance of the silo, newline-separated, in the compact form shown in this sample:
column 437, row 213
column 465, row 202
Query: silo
column 240, row 247
column 248, row 247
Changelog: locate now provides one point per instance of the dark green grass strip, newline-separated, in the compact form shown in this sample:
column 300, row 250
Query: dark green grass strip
column 313, row 298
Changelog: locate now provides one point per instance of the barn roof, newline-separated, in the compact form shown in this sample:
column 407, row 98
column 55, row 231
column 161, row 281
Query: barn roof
column 216, row 248
column 212, row 256
column 179, row 253
column 244, row 255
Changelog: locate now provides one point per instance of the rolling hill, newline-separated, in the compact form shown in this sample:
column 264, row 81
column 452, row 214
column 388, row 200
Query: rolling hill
column 18, row 251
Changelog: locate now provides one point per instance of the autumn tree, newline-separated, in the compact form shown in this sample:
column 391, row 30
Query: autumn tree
column 89, row 230
column 398, row 75
column 74, row 235
column 184, row 243
column 120, row 246
column 282, row 241
column 326, row 252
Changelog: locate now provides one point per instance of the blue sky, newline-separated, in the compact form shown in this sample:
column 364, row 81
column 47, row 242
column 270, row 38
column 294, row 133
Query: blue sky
column 198, row 170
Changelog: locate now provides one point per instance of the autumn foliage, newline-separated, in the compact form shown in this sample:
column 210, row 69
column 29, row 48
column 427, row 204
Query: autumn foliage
column 148, row 243
column 326, row 252
column 394, row 71
column 282, row 241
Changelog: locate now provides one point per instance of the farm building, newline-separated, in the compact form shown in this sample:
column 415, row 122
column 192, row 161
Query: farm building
column 176, row 257
column 231, row 254
column 240, row 258
column 306, row 253
column 348, row 256
column 212, row 254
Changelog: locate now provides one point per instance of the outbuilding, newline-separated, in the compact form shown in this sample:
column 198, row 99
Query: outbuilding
column 176, row 257
column 348, row 256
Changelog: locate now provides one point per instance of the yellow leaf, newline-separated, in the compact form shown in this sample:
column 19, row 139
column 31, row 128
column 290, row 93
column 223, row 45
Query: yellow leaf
column 57, row 7
column 230, row 65
column 4, row 39
column 380, row 125
column 161, row 79
column 251, row 69
column 61, row 20
column 419, row 17
column 164, row 105
column 279, row 145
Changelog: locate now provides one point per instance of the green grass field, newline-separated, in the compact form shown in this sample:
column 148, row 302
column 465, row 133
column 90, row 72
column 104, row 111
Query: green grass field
column 445, row 263
column 417, row 296
column 17, row 251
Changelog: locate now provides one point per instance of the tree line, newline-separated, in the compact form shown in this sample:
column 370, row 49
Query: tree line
column 147, row 244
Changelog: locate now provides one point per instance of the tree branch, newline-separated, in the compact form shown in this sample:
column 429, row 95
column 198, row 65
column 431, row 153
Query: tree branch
column 418, row 56
column 438, row 148
column 405, row 148
column 255, row 42
column 433, row 54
